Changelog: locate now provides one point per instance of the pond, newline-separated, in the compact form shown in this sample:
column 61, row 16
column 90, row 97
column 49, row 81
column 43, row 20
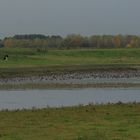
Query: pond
column 19, row 99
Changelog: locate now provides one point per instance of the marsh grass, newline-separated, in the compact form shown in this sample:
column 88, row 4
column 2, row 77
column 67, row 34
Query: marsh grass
column 92, row 122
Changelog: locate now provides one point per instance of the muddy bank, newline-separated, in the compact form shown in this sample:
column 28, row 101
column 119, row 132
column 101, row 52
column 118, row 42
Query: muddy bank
column 44, row 78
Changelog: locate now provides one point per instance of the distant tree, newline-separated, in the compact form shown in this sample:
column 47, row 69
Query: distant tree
column 117, row 41
column 74, row 40
column 1, row 44
column 30, row 36
column 8, row 42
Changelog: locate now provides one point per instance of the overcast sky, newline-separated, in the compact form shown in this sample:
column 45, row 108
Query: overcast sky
column 62, row 17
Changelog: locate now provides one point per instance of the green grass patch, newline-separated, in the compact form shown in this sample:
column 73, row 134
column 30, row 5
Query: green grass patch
column 32, row 62
column 26, row 57
column 92, row 122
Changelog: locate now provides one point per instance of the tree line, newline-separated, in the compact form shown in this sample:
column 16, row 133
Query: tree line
column 71, row 41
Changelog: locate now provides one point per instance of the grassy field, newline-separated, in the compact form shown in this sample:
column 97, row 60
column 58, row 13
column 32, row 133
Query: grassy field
column 23, row 57
column 92, row 122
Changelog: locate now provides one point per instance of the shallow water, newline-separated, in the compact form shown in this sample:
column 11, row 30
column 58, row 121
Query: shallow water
column 68, row 97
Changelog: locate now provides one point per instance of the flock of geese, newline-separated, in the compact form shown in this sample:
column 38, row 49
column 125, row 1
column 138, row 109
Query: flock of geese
column 71, row 76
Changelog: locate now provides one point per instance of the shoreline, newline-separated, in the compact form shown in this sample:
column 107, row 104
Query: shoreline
column 65, row 86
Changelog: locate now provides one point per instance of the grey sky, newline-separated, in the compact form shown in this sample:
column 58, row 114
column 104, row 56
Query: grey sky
column 64, row 17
